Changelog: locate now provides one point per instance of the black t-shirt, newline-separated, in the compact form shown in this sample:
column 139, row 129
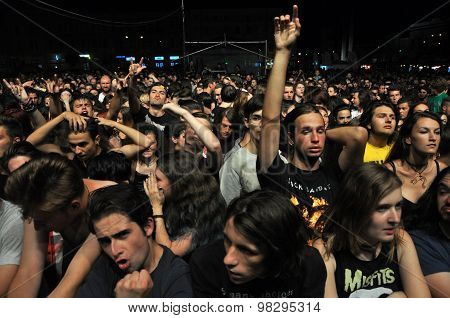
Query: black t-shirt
column 311, row 191
column 171, row 279
column 210, row 277
column 367, row 279
column 160, row 122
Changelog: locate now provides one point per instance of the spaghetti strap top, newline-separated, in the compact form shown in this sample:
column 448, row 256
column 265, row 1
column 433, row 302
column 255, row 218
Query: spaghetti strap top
column 394, row 169
column 409, row 208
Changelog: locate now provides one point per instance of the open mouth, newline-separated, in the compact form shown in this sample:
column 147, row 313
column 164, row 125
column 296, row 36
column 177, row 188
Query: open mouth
column 123, row 264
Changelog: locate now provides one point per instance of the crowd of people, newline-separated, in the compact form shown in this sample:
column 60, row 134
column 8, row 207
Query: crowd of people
column 142, row 184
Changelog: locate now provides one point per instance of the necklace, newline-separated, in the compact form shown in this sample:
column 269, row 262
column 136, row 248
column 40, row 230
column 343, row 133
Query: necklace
column 418, row 177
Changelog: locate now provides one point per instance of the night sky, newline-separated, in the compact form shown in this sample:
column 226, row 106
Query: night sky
column 372, row 19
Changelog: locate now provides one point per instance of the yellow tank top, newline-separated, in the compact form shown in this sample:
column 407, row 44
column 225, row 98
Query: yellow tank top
column 376, row 154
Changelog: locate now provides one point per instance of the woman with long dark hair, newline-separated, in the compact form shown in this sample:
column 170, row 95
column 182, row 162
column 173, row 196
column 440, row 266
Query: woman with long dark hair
column 412, row 158
column 188, row 207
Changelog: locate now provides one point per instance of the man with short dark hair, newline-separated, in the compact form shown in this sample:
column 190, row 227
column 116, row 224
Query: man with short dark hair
column 342, row 115
column 238, row 174
column 209, row 85
column 132, row 263
column 395, row 94
column 83, row 106
column 155, row 114
column 288, row 91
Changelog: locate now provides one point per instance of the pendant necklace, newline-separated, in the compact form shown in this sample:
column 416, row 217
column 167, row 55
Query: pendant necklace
column 418, row 177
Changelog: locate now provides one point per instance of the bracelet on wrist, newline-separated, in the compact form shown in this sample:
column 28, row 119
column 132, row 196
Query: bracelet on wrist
column 158, row 216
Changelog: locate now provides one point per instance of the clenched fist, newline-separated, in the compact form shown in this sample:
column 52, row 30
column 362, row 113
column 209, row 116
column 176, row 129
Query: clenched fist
column 136, row 284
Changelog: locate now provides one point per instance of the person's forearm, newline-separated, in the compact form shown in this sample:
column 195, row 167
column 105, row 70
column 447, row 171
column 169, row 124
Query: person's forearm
column 54, row 109
column 348, row 136
column 204, row 133
column 114, row 107
column 78, row 269
column 67, row 106
column 41, row 133
column 133, row 99
column 26, row 284
column 161, row 236
column 270, row 133
column 275, row 86
column 137, row 137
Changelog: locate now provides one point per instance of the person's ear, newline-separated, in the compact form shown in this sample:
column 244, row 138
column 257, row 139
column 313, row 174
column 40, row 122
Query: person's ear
column 149, row 227
column 16, row 139
column 174, row 140
column 408, row 140
column 97, row 140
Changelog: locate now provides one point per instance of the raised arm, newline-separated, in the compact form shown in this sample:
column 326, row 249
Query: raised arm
column 353, row 140
column 76, row 123
column 286, row 33
column 156, row 197
column 54, row 108
column 205, row 134
column 114, row 107
column 137, row 137
column 27, row 281
column 133, row 99
column 65, row 98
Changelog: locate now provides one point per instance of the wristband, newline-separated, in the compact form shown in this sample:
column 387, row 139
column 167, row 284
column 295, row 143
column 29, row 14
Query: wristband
column 159, row 216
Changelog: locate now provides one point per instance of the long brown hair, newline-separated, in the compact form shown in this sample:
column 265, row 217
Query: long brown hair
column 357, row 198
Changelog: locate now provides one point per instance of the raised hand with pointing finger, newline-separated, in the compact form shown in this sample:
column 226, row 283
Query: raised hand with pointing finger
column 286, row 30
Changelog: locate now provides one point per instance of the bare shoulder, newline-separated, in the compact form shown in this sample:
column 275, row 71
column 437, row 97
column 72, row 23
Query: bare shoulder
column 442, row 165
column 93, row 185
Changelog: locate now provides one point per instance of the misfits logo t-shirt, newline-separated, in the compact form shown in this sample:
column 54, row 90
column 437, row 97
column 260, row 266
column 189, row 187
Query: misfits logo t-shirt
column 366, row 279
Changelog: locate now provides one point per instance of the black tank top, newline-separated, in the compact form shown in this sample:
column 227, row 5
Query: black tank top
column 367, row 279
column 409, row 208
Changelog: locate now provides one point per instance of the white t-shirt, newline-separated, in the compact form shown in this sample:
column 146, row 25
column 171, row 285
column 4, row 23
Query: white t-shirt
column 11, row 233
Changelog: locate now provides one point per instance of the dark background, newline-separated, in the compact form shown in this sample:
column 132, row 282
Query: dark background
column 26, row 47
